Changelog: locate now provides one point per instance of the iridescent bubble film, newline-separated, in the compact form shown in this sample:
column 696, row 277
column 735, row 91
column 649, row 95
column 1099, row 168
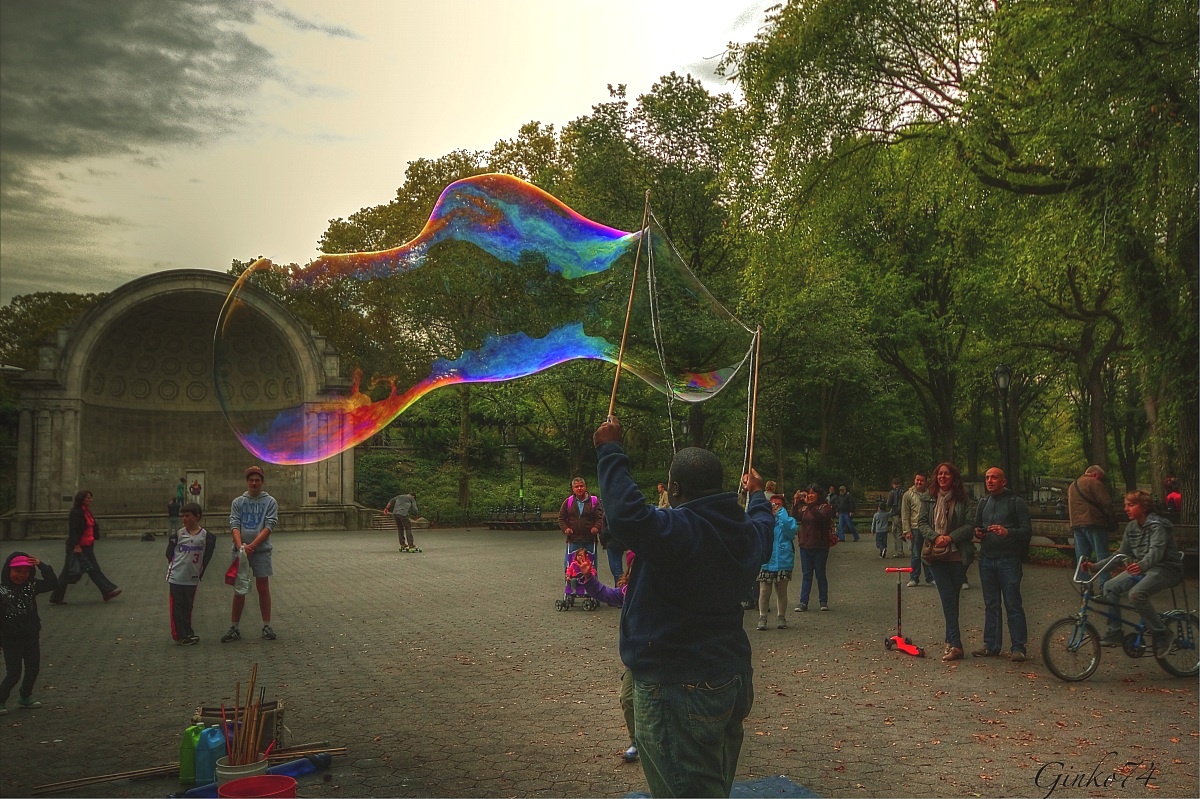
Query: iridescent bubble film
column 503, row 282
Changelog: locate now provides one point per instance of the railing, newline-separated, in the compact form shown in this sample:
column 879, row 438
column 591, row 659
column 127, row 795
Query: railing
column 515, row 517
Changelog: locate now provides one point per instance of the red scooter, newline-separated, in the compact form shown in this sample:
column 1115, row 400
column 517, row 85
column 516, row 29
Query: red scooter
column 898, row 641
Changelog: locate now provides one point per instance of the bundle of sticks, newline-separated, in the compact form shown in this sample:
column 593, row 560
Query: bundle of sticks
column 241, row 744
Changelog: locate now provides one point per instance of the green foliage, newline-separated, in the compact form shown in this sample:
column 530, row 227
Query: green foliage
column 30, row 319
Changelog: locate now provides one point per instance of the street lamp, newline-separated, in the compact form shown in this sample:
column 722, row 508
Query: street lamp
column 1002, row 378
column 521, row 466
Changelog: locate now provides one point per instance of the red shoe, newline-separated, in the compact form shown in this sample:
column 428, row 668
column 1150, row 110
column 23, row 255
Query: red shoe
column 113, row 594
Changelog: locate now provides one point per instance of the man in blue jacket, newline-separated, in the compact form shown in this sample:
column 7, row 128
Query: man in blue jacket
column 1002, row 530
column 682, row 634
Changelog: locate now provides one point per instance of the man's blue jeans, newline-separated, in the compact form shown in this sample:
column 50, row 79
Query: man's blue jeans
column 689, row 736
column 846, row 524
column 616, row 563
column 917, row 540
column 1091, row 543
column 1000, row 579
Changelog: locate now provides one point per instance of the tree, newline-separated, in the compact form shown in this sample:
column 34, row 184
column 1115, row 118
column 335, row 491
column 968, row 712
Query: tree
column 32, row 319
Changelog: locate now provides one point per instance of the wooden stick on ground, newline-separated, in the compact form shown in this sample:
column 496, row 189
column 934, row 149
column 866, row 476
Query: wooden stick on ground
column 82, row 782
column 168, row 769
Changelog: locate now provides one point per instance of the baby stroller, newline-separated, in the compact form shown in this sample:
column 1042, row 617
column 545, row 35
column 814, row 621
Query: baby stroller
column 585, row 559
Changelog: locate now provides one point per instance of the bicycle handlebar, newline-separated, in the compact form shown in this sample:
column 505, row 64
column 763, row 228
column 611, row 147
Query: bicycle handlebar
column 1098, row 568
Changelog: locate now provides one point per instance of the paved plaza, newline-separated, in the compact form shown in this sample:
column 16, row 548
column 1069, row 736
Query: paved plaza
column 449, row 673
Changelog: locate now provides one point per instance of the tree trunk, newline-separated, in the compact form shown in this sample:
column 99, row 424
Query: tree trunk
column 696, row 425
column 778, row 457
column 975, row 415
column 464, row 446
column 1097, row 430
column 829, row 410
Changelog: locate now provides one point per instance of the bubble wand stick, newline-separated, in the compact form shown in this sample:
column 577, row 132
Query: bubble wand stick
column 612, row 401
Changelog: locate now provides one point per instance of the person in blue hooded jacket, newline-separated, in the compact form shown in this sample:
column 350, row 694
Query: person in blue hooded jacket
column 777, row 572
column 682, row 634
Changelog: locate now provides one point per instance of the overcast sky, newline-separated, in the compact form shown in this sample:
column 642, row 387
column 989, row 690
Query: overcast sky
column 143, row 135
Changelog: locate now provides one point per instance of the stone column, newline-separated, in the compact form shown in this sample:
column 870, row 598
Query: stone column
column 70, row 452
column 43, row 458
column 55, row 466
column 25, row 462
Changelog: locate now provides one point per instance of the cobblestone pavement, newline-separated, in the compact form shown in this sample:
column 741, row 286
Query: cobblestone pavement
column 449, row 673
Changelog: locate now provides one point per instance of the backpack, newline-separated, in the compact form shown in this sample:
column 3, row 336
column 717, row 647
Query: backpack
column 592, row 497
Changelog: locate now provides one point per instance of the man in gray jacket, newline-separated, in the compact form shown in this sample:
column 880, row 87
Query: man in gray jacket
column 1002, row 530
column 402, row 507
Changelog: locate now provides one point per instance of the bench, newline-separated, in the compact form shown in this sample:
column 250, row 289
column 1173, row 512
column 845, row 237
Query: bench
column 1056, row 534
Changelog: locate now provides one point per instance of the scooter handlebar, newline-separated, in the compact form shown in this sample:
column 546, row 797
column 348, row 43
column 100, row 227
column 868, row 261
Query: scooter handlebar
column 894, row 569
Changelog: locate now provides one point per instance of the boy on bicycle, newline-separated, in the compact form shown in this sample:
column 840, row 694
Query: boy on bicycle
column 1157, row 565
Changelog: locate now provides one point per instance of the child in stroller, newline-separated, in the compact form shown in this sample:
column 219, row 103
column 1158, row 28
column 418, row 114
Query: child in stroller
column 578, row 568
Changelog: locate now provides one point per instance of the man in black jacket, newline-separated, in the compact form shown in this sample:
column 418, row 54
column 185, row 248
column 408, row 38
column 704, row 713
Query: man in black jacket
column 682, row 635
column 1002, row 530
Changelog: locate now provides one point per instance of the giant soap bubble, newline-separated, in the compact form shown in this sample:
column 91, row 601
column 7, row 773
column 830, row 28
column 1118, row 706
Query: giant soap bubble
column 503, row 282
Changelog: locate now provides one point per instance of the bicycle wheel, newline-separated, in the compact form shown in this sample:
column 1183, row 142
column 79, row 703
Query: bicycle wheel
column 1071, row 649
column 1184, row 659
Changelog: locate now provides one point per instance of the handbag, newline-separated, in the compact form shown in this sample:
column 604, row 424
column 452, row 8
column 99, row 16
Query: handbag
column 930, row 553
column 77, row 566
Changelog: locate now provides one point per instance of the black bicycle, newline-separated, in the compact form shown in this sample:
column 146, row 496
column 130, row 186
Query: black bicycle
column 1071, row 646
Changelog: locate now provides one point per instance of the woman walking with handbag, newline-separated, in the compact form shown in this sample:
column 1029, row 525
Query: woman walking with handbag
column 947, row 547
column 82, row 532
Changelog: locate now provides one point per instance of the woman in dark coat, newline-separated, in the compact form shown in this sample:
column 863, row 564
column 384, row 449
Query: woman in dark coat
column 82, row 532
column 815, row 519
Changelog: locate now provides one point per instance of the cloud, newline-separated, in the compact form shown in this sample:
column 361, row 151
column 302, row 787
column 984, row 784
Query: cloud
column 122, row 80
column 87, row 79
column 301, row 24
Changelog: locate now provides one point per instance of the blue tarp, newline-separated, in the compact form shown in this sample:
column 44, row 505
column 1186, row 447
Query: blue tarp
column 751, row 789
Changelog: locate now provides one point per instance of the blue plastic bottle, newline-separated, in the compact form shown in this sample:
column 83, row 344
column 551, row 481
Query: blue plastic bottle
column 209, row 749
column 187, row 754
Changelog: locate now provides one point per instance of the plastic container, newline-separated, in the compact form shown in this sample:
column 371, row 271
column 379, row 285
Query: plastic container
column 187, row 753
column 264, row 785
column 210, row 746
column 227, row 773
